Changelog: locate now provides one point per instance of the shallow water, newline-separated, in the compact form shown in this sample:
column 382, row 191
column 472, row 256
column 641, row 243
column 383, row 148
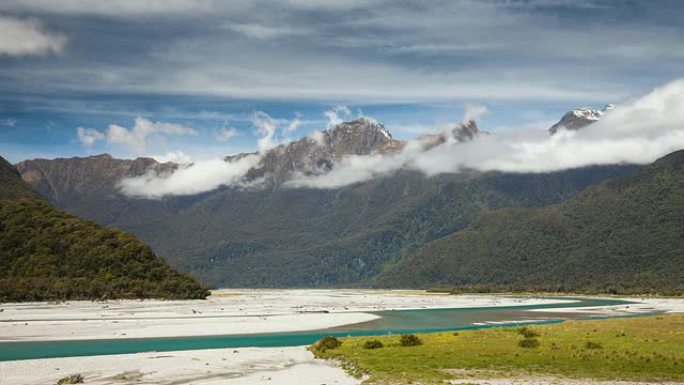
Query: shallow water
column 390, row 322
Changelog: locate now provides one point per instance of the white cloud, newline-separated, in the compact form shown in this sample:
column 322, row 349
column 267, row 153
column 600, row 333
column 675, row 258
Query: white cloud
column 22, row 37
column 273, row 132
column 337, row 115
column 173, row 156
column 294, row 124
column 88, row 136
column 196, row 178
column 266, row 127
column 136, row 137
column 226, row 133
column 473, row 112
column 261, row 31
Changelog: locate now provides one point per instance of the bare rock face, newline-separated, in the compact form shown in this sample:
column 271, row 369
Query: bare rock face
column 460, row 133
column 72, row 178
column 318, row 153
column 579, row 118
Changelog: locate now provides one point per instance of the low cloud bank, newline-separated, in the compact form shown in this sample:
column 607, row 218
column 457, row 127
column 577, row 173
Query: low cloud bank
column 636, row 131
column 196, row 178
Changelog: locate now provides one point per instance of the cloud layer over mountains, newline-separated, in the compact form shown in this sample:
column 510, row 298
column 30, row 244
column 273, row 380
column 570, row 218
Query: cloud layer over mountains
column 635, row 131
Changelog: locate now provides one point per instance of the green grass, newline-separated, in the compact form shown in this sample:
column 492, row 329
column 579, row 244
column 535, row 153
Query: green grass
column 638, row 349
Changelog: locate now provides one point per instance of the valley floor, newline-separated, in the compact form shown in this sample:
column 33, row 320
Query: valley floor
column 245, row 366
column 225, row 312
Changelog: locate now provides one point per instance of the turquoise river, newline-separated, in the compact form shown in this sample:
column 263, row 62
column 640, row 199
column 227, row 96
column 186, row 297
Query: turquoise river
column 390, row 322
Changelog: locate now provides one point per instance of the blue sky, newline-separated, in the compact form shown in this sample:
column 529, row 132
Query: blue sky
column 209, row 66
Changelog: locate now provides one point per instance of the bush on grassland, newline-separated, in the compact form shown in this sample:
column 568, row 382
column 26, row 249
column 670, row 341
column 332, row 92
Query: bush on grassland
column 410, row 340
column 327, row 343
column 373, row 344
column 528, row 343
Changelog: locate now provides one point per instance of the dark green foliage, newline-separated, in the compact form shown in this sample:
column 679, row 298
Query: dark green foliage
column 410, row 340
column 527, row 332
column 373, row 344
column 593, row 345
column 280, row 237
column 622, row 236
column 72, row 379
column 51, row 255
column 11, row 185
column 528, row 342
column 327, row 343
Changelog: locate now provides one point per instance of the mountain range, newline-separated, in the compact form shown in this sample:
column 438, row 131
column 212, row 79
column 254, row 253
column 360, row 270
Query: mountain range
column 277, row 236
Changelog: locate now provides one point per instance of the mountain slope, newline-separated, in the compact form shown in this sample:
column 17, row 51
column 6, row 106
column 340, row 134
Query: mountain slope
column 11, row 184
column 236, row 237
column 48, row 254
column 623, row 235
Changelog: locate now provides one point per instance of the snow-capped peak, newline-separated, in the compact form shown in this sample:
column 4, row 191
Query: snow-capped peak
column 579, row 118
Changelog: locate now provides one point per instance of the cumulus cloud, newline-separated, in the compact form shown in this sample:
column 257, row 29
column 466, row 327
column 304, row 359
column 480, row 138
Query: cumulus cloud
column 88, row 136
column 22, row 37
column 136, row 137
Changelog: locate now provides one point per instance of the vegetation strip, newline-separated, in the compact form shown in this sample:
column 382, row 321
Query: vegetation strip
column 630, row 349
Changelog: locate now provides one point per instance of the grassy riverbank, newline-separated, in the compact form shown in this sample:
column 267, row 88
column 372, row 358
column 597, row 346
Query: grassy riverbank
column 637, row 349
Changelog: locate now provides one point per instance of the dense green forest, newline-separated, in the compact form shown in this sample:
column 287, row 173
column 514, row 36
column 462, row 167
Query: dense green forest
column 47, row 254
column 625, row 235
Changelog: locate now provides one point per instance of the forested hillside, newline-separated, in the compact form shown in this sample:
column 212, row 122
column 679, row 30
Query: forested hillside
column 622, row 236
column 47, row 254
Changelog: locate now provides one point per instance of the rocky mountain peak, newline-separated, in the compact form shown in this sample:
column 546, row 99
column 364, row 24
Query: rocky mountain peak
column 460, row 133
column 580, row 118
column 362, row 136
column 319, row 151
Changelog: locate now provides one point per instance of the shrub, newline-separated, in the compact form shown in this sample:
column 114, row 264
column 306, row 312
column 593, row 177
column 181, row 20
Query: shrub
column 527, row 332
column 410, row 340
column 328, row 343
column 72, row 379
column 373, row 344
column 593, row 345
column 528, row 343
